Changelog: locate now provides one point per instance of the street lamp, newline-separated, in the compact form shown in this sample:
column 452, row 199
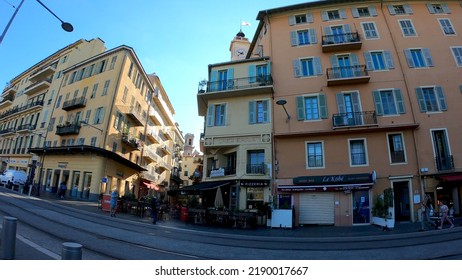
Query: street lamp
column 283, row 102
column 64, row 25
column 84, row 123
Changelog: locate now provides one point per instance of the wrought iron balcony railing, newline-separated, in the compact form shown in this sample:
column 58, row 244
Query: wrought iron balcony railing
column 354, row 119
column 237, row 84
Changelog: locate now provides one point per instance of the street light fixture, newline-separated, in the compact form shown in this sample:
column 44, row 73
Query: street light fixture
column 64, row 25
column 84, row 123
column 283, row 102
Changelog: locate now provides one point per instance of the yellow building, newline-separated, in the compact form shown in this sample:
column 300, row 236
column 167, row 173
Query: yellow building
column 102, row 123
column 237, row 104
column 366, row 98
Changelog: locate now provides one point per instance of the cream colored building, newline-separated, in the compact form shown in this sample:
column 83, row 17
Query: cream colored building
column 106, row 123
column 191, row 162
column 237, row 106
column 369, row 95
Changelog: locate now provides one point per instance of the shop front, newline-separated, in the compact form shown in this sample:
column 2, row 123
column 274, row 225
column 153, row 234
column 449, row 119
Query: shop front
column 339, row 200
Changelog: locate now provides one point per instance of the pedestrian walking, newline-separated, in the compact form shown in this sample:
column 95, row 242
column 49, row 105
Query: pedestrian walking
column 154, row 206
column 113, row 202
column 62, row 190
column 425, row 218
column 444, row 217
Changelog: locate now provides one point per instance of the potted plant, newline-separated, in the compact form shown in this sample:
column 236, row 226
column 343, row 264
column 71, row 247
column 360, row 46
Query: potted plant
column 382, row 211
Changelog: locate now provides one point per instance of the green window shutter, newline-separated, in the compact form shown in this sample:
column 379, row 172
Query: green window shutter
column 399, row 100
column 354, row 12
column 408, row 9
column 356, row 103
column 378, row 103
column 317, row 66
column 265, row 111
column 291, row 20
column 252, row 115
column 340, row 103
column 309, row 18
column 430, row 8
column 324, row 16
column 428, row 57
column 313, row 39
column 300, row 108
column 225, row 107
column 410, row 61
column 389, row 60
column 297, row 72
column 372, row 11
column 391, row 10
column 441, row 98
column 369, row 63
column 293, row 38
column 210, row 111
column 213, row 80
column 421, row 100
column 342, row 13
column 252, row 73
column 323, row 106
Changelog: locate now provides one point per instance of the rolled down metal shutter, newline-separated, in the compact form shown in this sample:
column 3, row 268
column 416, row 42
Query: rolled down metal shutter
column 316, row 208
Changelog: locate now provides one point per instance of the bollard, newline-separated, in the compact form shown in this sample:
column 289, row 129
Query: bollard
column 9, row 238
column 71, row 251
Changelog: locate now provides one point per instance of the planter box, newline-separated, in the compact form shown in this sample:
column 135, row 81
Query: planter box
column 389, row 223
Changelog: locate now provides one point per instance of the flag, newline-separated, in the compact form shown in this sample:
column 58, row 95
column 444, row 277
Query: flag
column 245, row 23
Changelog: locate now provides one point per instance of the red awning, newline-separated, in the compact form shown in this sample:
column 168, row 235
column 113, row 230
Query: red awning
column 451, row 178
column 151, row 186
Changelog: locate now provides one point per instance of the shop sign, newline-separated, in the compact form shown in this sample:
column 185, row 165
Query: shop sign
column 62, row 164
column 254, row 183
column 345, row 189
column 334, row 179
column 217, row 172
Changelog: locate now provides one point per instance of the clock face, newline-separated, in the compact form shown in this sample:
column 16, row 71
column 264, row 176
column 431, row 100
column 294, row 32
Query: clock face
column 240, row 52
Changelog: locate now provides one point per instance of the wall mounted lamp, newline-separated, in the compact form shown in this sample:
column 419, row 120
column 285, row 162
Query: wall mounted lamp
column 283, row 102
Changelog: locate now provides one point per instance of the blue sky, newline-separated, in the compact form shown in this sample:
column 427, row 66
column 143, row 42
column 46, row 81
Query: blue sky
column 176, row 39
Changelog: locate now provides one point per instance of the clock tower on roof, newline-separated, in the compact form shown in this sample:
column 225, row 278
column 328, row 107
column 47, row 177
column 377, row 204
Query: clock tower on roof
column 239, row 46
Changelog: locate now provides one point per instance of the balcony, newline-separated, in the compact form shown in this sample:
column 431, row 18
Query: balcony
column 67, row 129
column 256, row 169
column 25, row 128
column 246, row 83
column 150, row 155
column 37, row 87
column 6, row 101
column 346, row 75
column 43, row 72
column 9, row 90
column 341, row 42
column 8, row 131
column 444, row 163
column 166, row 149
column 22, row 109
column 74, row 103
column 354, row 119
column 153, row 136
column 168, row 133
column 163, row 166
column 222, row 171
column 131, row 141
column 155, row 116
column 136, row 116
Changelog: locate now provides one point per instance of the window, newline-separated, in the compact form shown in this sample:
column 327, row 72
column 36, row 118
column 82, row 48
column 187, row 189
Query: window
column 457, row 52
column 358, row 152
column 431, row 99
column 333, row 15
column 118, row 121
column 113, row 61
column 99, row 115
column 315, row 155
column 418, row 58
column 256, row 162
column 58, row 103
column 130, row 70
column 81, row 141
column 124, row 96
column 438, row 8
column 407, row 28
column 93, row 141
column 388, row 102
column 311, row 107
column 216, row 115
column 364, row 12
column 379, row 60
column 101, row 67
column 300, row 19
column 93, row 92
column 106, row 86
column 400, row 9
column 307, row 67
column 446, row 26
column 231, row 163
column 255, row 197
column 258, row 112
column 303, row 37
column 114, row 147
column 89, row 71
column 396, row 148
column 370, row 30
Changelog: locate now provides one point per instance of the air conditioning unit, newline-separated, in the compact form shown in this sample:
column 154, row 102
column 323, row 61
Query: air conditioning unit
column 340, row 120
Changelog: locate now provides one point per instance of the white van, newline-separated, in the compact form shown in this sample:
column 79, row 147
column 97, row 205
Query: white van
column 14, row 178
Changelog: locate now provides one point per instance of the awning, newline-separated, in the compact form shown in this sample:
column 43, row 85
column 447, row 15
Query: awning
column 151, row 186
column 451, row 178
column 324, row 188
column 197, row 188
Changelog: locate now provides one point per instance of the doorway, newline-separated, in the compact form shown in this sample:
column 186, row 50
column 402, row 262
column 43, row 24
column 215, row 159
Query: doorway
column 401, row 201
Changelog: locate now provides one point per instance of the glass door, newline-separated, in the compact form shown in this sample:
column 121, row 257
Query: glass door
column 361, row 208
